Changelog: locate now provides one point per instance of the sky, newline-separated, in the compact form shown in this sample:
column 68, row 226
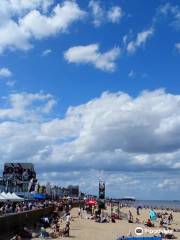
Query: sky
column 89, row 90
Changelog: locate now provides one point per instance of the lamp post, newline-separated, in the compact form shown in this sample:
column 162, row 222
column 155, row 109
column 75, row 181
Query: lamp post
column 111, row 207
column 118, row 209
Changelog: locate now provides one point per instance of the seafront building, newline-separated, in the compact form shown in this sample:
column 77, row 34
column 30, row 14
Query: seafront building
column 21, row 179
column 18, row 177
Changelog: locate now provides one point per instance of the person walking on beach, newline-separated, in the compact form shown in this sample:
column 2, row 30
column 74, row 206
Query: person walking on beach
column 138, row 208
column 79, row 213
column 130, row 217
column 68, row 217
column 170, row 218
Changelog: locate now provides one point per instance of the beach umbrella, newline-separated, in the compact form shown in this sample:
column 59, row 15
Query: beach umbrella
column 91, row 202
column 152, row 215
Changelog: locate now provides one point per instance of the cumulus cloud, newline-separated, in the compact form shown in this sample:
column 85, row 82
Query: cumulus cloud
column 139, row 41
column 5, row 73
column 90, row 54
column 121, row 121
column 101, row 15
column 27, row 106
column 97, row 12
column 115, row 14
column 113, row 135
column 19, row 27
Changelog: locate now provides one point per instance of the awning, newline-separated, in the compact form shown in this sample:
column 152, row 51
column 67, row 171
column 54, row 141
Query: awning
column 39, row 196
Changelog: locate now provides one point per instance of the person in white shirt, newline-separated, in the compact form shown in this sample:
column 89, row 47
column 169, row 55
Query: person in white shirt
column 68, row 218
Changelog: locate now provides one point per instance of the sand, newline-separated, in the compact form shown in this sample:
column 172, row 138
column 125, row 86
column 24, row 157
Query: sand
column 86, row 229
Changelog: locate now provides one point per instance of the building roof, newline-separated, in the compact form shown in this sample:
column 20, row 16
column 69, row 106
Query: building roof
column 22, row 165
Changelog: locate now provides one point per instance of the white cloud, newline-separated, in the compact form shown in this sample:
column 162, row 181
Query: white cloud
column 140, row 40
column 112, row 133
column 169, row 184
column 90, row 54
column 62, row 16
column 19, row 6
column 173, row 11
column 115, row 14
column 34, row 23
column 13, row 37
column 97, row 12
column 101, row 15
column 111, row 128
column 177, row 46
column 5, row 73
column 46, row 52
column 27, row 107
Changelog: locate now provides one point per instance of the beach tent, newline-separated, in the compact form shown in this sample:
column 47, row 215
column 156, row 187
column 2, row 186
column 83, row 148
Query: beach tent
column 4, row 195
column 2, row 199
column 16, row 197
column 9, row 196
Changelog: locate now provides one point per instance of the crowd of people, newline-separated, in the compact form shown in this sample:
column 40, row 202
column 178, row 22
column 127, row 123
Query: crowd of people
column 55, row 225
column 164, row 220
column 17, row 207
column 96, row 213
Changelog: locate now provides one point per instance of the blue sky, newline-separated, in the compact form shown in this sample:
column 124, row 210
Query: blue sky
column 91, row 89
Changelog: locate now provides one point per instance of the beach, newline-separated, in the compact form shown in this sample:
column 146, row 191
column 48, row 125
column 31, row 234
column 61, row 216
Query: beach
column 87, row 229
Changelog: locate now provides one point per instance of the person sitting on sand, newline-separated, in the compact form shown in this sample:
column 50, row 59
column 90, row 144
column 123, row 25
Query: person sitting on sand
column 54, row 234
column 43, row 233
column 161, row 222
column 167, row 236
column 66, row 230
column 98, row 218
column 113, row 219
column 149, row 223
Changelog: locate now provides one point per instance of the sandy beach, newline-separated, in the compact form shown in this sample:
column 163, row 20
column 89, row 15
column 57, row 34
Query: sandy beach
column 86, row 229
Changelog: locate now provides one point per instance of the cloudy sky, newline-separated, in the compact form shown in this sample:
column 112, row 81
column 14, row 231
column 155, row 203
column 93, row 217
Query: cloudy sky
column 90, row 89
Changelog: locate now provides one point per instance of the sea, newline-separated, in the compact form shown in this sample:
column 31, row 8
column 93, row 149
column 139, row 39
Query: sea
column 158, row 204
